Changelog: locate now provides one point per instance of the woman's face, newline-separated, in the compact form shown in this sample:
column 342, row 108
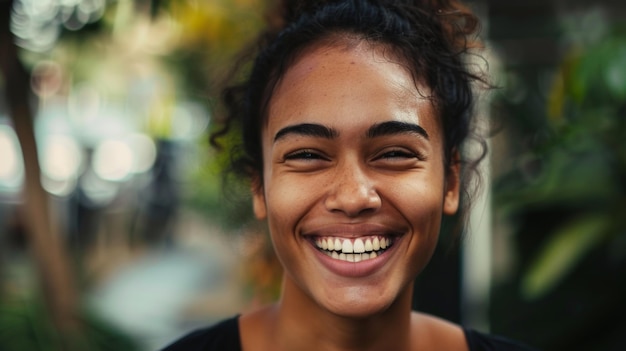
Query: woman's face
column 354, row 185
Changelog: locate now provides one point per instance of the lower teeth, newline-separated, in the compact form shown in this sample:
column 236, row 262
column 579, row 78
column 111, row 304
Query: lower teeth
column 353, row 257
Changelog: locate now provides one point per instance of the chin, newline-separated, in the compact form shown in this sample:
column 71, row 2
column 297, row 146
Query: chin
column 358, row 304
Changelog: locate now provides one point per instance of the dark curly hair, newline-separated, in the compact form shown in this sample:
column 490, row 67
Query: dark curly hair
column 432, row 38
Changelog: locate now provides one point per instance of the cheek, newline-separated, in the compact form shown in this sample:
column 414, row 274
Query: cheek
column 287, row 204
column 421, row 205
column 420, row 197
column 288, row 200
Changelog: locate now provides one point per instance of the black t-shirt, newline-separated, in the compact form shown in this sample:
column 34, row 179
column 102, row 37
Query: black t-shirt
column 224, row 336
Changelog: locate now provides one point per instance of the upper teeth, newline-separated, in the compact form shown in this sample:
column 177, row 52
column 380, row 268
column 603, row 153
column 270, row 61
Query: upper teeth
column 359, row 245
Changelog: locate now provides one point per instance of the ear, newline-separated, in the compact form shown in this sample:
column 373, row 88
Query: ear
column 258, row 198
column 452, row 185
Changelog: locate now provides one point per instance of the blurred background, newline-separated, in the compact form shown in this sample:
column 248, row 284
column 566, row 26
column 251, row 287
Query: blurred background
column 115, row 233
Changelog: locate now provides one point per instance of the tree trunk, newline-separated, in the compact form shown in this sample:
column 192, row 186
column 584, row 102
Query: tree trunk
column 45, row 244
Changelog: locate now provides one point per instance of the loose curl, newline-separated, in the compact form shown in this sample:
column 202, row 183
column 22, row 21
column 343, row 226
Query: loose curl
column 432, row 38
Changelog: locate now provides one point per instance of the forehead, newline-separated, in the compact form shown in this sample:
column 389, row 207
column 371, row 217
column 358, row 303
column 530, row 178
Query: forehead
column 340, row 71
column 349, row 54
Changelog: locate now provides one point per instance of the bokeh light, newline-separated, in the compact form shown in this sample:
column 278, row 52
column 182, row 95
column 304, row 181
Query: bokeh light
column 61, row 158
column 11, row 167
column 113, row 160
column 144, row 152
column 46, row 78
column 189, row 121
column 37, row 23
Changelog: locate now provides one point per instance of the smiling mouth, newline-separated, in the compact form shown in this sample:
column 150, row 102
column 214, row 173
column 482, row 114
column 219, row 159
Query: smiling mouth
column 354, row 250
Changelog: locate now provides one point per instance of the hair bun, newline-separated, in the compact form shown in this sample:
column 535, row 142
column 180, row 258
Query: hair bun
column 456, row 20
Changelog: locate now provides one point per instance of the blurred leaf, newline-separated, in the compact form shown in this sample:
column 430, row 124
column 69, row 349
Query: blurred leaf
column 556, row 99
column 574, row 175
column 563, row 250
column 615, row 73
column 216, row 190
column 26, row 326
column 599, row 73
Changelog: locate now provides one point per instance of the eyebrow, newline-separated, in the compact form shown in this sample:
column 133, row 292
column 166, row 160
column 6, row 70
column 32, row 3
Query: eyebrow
column 377, row 130
column 395, row 127
column 307, row 129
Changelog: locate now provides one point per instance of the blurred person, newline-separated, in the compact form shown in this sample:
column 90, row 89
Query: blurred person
column 353, row 118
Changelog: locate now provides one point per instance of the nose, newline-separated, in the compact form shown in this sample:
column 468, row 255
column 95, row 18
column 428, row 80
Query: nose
column 352, row 193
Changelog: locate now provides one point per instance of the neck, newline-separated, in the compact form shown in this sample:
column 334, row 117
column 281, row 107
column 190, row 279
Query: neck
column 302, row 324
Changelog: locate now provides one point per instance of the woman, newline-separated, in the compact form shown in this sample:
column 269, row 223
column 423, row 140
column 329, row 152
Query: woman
column 353, row 118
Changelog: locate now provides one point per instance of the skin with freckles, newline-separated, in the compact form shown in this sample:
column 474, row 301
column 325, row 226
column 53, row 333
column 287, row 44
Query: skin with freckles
column 351, row 149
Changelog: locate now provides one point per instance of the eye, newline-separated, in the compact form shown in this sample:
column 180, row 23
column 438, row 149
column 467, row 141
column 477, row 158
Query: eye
column 400, row 154
column 397, row 154
column 306, row 160
column 398, row 159
column 304, row 155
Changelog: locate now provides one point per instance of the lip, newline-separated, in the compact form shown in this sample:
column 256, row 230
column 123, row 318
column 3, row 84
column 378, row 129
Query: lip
column 353, row 231
column 355, row 269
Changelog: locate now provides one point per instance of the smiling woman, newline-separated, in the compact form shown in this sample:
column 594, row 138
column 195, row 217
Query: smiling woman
column 362, row 175
column 353, row 119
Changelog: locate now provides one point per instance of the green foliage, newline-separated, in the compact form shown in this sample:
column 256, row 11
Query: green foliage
column 211, row 34
column 577, row 168
column 599, row 76
column 218, row 192
column 562, row 252
column 26, row 325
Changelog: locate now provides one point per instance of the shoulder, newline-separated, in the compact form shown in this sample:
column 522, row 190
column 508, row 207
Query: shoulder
column 221, row 336
column 483, row 342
